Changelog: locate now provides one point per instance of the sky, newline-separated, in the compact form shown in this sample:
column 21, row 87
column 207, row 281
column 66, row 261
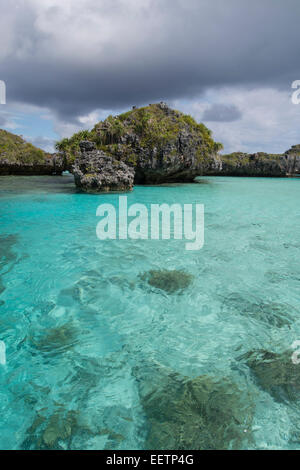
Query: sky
column 229, row 63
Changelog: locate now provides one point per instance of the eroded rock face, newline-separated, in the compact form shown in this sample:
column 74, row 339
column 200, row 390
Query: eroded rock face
column 96, row 172
column 261, row 164
column 292, row 160
column 204, row 413
column 53, row 165
column 164, row 145
column 161, row 144
column 18, row 157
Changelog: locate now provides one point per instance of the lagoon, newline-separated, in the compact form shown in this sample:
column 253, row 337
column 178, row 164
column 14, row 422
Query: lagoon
column 86, row 335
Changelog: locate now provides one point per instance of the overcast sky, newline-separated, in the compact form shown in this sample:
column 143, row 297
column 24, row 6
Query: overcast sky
column 229, row 63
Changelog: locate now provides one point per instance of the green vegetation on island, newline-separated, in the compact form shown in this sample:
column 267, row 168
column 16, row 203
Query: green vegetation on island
column 153, row 127
column 15, row 149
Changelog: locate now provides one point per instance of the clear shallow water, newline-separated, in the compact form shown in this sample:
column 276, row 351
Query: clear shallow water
column 77, row 321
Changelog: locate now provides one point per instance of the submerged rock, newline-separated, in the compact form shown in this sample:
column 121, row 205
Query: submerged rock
column 55, row 340
column 58, row 428
column 168, row 281
column 271, row 313
column 89, row 289
column 278, row 277
column 8, row 258
column 80, row 421
column 95, row 171
column 204, row 413
column 52, row 433
column 275, row 373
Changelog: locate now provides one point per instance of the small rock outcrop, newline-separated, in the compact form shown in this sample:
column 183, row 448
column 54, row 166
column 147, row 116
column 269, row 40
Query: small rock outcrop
column 95, row 171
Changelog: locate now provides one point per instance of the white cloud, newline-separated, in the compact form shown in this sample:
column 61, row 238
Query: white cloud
column 44, row 143
column 93, row 30
column 269, row 122
column 67, row 129
column 90, row 119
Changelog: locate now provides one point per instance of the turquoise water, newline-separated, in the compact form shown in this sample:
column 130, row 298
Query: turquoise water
column 77, row 320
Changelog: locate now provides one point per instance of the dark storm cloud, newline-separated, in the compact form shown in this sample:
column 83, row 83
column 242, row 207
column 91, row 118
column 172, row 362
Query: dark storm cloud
column 74, row 57
column 221, row 113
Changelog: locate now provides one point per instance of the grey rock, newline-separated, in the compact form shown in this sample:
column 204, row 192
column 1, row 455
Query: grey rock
column 261, row 164
column 162, row 144
column 95, row 172
column 54, row 165
column 87, row 146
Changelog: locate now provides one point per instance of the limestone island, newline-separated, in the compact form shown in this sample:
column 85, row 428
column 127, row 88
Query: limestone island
column 149, row 145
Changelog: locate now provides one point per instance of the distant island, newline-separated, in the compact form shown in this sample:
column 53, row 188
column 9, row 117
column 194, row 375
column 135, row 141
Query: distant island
column 18, row 157
column 149, row 145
